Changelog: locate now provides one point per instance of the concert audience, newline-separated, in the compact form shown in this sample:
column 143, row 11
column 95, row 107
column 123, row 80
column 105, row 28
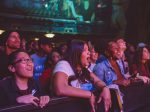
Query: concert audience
column 71, row 75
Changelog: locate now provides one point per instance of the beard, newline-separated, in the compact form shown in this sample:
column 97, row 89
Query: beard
column 13, row 46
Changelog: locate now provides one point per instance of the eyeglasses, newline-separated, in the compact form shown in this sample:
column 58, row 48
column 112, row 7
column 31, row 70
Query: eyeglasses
column 24, row 61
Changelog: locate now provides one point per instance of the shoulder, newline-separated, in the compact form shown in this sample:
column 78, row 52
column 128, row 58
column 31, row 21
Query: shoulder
column 101, row 64
column 6, row 83
column 63, row 66
column 3, row 54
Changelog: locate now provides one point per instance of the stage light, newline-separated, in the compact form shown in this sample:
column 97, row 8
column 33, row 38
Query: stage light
column 1, row 31
column 49, row 35
column 36, row 39
column 46, row 5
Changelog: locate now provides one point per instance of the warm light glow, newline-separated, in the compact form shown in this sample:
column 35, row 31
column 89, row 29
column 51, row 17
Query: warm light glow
column 36, row 39
column 49, row 35
column 1, row 31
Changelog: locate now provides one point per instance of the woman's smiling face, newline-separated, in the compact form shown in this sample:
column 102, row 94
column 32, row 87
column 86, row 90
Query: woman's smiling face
column 23, row 65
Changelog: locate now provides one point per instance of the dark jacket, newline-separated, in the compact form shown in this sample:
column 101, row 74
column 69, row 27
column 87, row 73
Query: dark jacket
column 9, row 91
column 4, row 72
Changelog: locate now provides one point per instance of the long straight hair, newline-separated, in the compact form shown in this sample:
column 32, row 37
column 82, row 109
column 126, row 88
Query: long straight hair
column 75, row 49
column 138, row 59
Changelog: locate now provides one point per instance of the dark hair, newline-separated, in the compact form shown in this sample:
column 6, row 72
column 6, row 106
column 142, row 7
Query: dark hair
column 13, row 55
column 138, row 57
column 118, row 38
column 75, row 49
column 44, row 40
column 74, row 52
column 6, row 34
column 60, row 49
column 49, row 61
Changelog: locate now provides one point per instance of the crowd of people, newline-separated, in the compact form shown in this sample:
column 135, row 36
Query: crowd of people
column 75, row 69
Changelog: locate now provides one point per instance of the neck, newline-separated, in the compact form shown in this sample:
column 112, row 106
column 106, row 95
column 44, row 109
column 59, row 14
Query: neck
column 93, row 61
column 111, row 59
column 22, row 83
column 9, row 50
column 122, row 53
column 143, row 61
column 41, row 53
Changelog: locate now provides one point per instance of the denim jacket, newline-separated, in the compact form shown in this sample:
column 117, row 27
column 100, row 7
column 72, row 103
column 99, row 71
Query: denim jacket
column 105, row 71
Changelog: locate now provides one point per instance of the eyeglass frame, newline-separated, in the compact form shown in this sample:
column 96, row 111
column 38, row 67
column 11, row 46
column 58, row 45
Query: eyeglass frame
column 23, row 61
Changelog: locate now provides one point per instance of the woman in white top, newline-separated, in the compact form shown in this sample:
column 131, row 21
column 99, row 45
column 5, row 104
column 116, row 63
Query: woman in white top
column 71, row 74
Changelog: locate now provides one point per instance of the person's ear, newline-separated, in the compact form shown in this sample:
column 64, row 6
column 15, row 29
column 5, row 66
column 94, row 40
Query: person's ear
column 11, row 68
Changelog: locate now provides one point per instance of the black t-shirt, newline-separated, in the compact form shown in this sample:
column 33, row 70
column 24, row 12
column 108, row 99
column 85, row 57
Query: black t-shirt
column 9, row 91
column 3, row 65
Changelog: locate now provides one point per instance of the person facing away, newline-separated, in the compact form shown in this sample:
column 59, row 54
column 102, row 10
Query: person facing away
column 21, row 88
column 11, row 40
column 71, row 75
column 39, row 58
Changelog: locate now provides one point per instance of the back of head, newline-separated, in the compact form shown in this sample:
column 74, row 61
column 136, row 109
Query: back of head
column 44, row 41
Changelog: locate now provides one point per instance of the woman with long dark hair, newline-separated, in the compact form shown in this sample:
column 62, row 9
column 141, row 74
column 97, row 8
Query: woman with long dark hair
column 141, row 67
column 71, row 76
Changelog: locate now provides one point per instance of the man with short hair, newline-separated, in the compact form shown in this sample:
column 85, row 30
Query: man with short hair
column 39, row 58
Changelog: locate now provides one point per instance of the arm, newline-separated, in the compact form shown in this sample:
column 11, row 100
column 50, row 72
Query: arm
column 62, row 88
column 105, row 94
column 124, row 82
column 97, row 82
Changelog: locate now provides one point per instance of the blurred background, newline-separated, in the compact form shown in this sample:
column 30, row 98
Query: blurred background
column 94, row 20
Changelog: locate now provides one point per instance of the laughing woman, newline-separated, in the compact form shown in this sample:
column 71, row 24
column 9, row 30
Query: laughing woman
column 20, row 87
column 72, row 78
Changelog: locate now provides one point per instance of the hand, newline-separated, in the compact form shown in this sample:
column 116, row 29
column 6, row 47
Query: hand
column 145, row 79
column 92, row 102
column 106, row 96
column 125, row 82
column 28, row 99
column 44, row 100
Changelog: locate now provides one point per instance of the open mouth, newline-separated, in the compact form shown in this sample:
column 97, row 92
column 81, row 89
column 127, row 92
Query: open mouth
column 29, row 69
column 88, row 58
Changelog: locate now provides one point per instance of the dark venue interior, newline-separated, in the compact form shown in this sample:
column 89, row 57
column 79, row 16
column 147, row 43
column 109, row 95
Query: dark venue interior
column 94, row 21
